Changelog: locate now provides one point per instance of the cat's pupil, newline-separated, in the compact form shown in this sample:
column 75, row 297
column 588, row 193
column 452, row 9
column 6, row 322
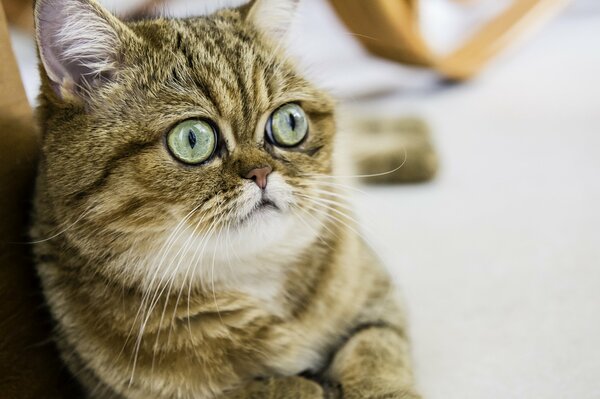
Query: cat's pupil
column 192, row 138
column 292, row 121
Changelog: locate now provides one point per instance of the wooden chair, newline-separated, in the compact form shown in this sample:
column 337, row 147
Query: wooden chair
column 390, row 28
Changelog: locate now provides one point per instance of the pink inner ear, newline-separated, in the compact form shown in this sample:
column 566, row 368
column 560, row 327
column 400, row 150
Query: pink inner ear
column 48, row 25
column 76, row 43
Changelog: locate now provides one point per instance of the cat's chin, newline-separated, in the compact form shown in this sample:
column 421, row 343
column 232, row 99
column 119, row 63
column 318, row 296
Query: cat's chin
column 264, row 212
column 263, row 225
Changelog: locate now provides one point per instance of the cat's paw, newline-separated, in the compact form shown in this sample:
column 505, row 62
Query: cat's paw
column 405, row 394
column 399, row 394
column 278, row 388
column 296, row 388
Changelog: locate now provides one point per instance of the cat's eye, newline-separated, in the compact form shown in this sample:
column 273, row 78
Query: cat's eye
column 193, row 141
column 287, row 126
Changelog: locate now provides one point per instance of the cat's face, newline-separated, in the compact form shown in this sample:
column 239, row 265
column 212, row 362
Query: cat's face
column 179, row 134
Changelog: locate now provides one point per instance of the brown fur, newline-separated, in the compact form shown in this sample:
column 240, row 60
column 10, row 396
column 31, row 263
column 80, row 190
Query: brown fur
column 109, row 195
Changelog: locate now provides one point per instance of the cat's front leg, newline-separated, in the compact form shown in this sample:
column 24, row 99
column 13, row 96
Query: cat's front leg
column 374, row 364
column 278, row 388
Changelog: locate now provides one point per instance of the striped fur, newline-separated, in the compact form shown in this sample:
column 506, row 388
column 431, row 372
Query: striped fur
column 161, row 280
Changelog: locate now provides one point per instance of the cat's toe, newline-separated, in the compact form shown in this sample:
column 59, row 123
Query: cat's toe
column 400, row 394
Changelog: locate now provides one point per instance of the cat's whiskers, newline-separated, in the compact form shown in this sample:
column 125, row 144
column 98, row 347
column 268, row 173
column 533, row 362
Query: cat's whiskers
column 344, row 205
column 323, row 209
column 171, row 274
column 315, row 230
column 212, row 272
column 352, row 34
column 397, row 168
column 224, row 217
column 196, row 258
column 348, row 200
column 164, row 268
column 128, row 263
column 191, row 265
column 171, row 281
column 332, row 206
column 325, row 184
column 338, row 203
column 331, row 193
column 162, row 253
column 149, row 289
column 198, row 255
column 175, row 272
column 83, row 214
column 230, row 245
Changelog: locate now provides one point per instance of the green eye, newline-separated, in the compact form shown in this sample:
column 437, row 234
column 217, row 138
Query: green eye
column 288, row 126
column 192, row 141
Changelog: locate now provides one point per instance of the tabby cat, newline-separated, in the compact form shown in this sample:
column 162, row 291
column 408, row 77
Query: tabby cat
column 192, row 238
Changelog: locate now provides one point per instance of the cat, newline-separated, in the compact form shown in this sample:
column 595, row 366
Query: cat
column 191, row 236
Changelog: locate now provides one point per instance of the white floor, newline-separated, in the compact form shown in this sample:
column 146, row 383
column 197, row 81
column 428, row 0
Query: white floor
column 499, row 258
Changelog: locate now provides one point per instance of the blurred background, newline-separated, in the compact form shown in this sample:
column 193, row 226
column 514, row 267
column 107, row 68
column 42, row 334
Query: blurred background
column 498, row 257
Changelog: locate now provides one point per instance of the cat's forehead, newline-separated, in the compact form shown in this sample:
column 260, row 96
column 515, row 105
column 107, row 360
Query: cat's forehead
column 223, row 66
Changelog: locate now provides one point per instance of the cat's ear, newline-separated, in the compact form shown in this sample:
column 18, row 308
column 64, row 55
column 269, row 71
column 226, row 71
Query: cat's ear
column 79, row 44
column 273, row 17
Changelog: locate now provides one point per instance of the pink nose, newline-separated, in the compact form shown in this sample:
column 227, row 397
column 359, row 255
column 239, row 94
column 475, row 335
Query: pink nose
column 259, row 175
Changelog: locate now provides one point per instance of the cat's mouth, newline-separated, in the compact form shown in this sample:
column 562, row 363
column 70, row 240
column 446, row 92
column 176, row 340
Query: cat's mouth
column 263, row 207
column 266, row 203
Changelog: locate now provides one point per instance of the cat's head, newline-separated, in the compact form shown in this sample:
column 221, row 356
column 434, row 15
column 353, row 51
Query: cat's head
column 185, row 134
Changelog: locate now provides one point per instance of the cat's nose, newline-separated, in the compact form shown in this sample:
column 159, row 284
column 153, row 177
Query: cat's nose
column 259, row 175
